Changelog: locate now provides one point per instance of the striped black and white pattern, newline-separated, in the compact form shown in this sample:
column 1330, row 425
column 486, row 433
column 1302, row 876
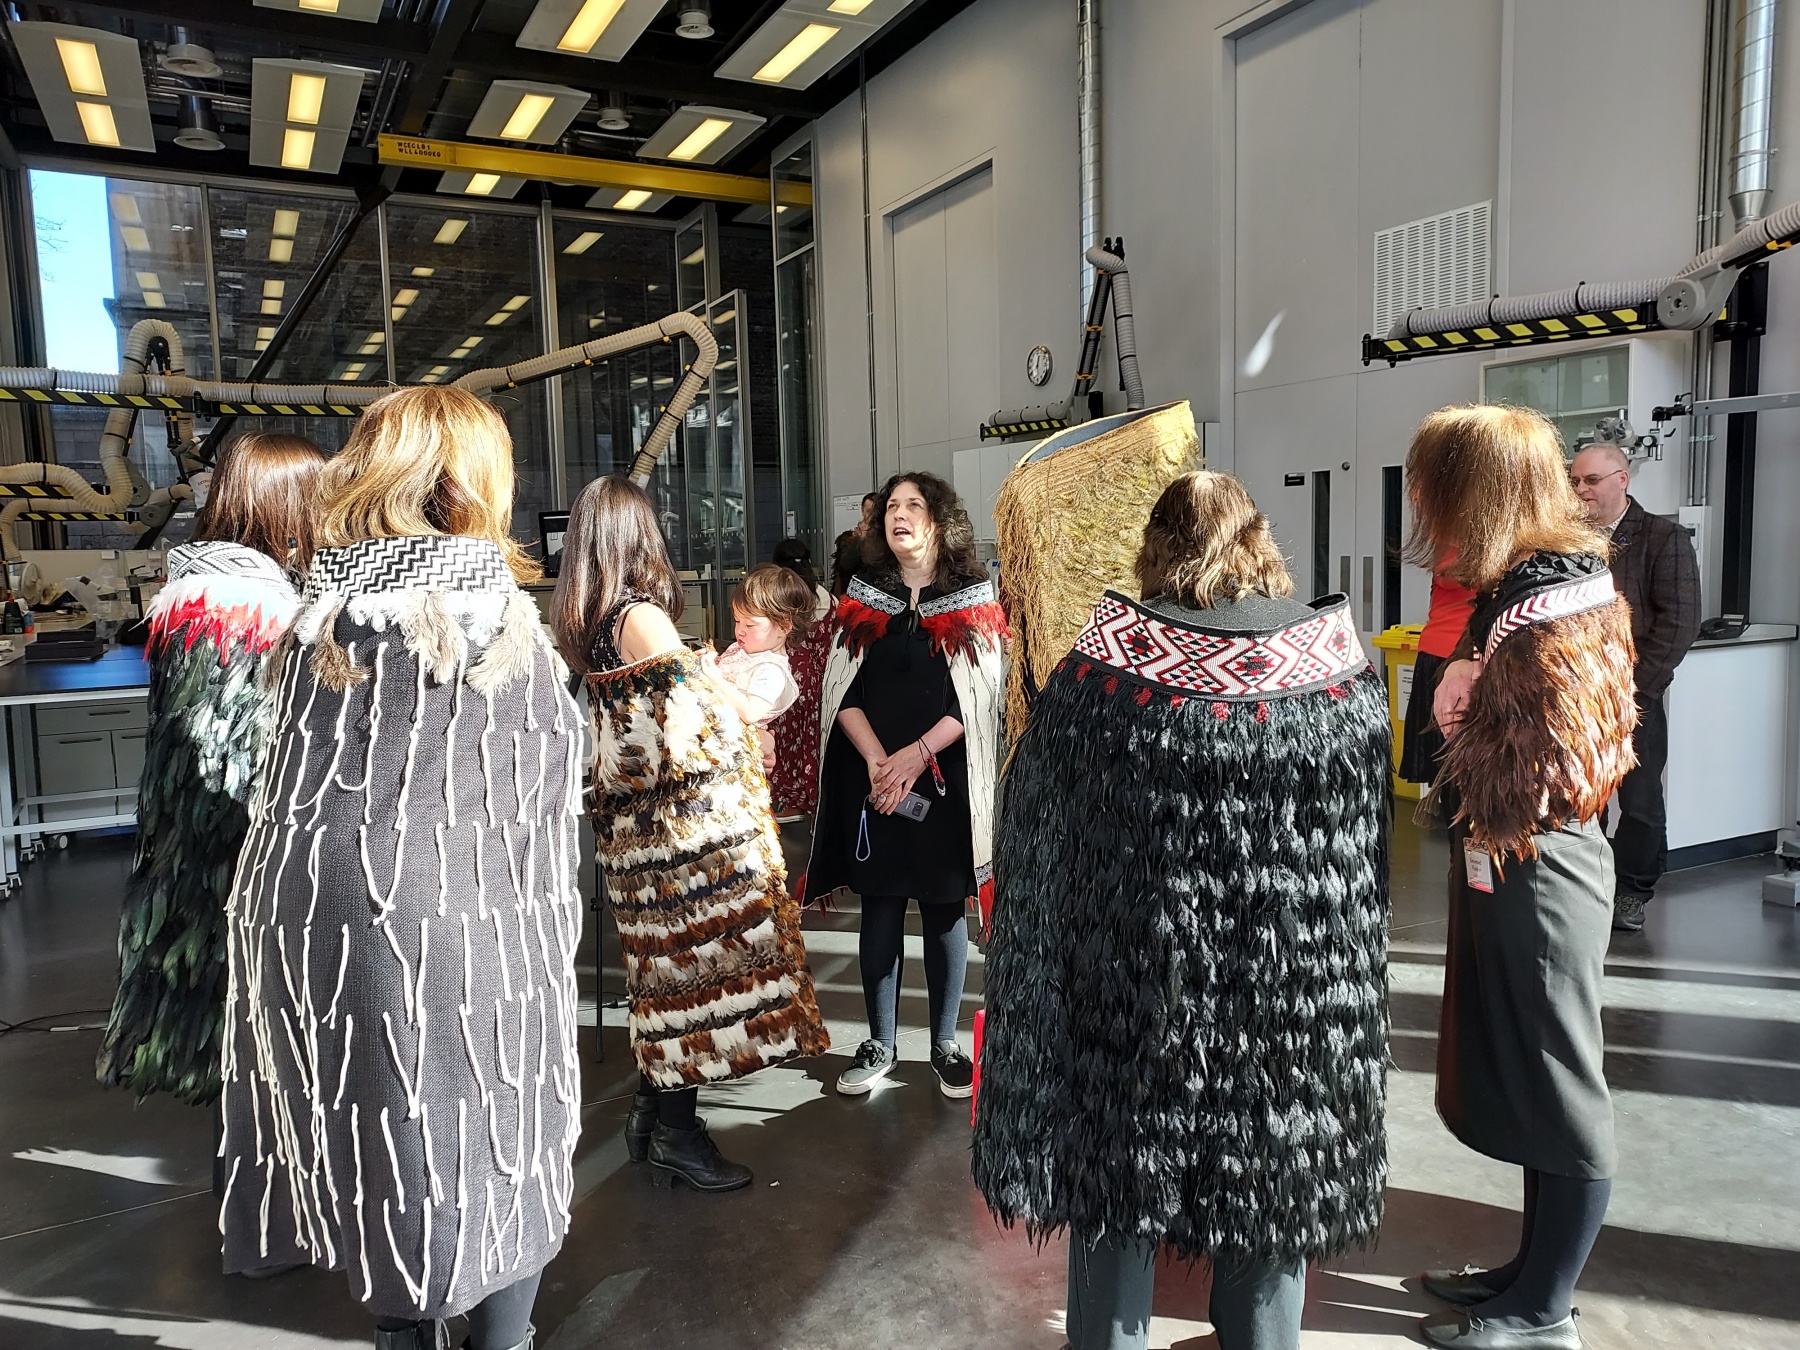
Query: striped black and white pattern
column 219, row 557
column 402, row 1091
column 416, row 562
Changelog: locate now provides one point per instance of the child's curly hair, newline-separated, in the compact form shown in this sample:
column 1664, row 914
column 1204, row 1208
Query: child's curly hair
column 778, row 593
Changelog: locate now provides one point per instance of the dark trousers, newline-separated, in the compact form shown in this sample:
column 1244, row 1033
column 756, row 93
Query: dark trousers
column 1111, row 1283
column 1641, row 843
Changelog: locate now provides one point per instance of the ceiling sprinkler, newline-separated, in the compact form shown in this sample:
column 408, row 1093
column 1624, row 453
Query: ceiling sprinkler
column 613, row 116
column 693, row 21
column 189, row 58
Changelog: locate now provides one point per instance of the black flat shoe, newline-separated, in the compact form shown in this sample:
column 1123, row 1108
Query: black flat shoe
column 691, row 1157
column 1464, row 1332
column 1459, row 1288
column 639, row 1125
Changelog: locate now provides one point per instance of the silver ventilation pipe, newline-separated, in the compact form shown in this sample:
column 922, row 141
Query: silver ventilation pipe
column 1087, row 129
column 1715, row 79
column 1753, row 33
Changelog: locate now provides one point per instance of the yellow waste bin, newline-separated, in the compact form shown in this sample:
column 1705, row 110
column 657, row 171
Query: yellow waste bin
column 1399, row 650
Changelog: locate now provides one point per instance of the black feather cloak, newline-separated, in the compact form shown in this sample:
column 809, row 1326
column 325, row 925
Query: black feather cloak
column 1186, row 987
column 211, row 629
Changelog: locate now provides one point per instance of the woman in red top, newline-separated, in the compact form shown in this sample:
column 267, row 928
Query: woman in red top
column 1422, row 743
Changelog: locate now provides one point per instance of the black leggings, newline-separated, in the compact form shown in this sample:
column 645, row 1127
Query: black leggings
column 883, row 944
column 1563, row 1216
column 500, row 1321
column 674, row 1106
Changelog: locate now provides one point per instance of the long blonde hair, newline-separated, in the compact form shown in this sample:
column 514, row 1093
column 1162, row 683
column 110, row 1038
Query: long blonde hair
column 1205, row 542
column 424, row 460
column 1489, row 485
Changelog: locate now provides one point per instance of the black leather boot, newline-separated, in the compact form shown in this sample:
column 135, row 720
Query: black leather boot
column 419, row 1336
column 639, row 1125
column 691, row 1156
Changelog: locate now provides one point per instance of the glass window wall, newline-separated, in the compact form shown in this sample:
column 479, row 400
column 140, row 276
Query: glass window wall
column 796, row 359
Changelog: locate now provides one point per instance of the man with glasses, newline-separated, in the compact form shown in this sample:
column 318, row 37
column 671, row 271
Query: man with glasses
column 1653, row 566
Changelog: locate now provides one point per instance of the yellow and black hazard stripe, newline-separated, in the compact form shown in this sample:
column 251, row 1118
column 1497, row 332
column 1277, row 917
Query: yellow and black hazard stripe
column 47, row 491
column 72, row 515
column 1001, row 430
column 95, row 400
column 284, row 409
column 1524, row 333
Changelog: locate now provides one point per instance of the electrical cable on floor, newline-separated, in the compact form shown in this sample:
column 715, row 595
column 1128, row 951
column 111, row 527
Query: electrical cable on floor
column 29, row 1024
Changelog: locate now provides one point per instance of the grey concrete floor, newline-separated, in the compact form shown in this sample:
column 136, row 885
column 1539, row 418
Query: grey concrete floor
column 862, row 1229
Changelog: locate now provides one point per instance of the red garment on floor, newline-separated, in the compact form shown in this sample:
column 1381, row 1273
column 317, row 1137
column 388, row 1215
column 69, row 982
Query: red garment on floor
column 794, row 784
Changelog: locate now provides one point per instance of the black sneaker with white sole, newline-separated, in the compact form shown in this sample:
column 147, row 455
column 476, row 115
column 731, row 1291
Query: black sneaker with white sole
column 955, row 1071
column 874, row 1062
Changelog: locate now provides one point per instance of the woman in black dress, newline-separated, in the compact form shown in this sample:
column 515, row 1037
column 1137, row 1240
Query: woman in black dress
column 910, row 723
column 1538, row 710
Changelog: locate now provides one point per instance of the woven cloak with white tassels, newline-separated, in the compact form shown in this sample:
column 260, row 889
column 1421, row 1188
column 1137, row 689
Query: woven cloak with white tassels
column 401, row 1087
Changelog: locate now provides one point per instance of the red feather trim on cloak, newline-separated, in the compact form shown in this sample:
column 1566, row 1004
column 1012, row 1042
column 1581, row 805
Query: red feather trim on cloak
column 858, row 625
column 251, row 625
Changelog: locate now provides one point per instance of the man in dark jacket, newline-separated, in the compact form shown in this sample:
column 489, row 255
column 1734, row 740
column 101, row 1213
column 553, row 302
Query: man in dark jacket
column 1654, row 568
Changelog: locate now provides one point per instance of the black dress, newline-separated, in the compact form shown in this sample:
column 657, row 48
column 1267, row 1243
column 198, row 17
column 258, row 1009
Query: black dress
column 904, row 689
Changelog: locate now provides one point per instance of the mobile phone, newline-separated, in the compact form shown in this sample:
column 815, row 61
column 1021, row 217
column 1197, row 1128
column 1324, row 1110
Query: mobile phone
column 912, row 806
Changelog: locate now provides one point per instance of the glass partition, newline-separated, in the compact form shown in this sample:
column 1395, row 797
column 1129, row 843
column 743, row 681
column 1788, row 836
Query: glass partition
column 797, row 395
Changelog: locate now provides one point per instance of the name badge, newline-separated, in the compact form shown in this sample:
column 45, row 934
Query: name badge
column 1478, row 868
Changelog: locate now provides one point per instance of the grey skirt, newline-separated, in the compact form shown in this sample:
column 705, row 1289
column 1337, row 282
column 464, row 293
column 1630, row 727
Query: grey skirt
column 1521, row 1072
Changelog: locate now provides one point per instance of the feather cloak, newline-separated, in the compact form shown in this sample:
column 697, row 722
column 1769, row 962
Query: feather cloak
column 402, row 1093
column 714, row 963
column 1186, row 1030
column 211, row 630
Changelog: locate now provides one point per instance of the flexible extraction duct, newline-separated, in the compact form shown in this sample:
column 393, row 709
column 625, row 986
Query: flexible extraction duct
column 1124, row 327
column 1754, row 40
column 117, row 436
column 1694, row 283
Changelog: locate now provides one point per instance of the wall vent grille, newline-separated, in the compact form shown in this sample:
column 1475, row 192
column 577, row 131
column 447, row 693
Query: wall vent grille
column 1441, row 260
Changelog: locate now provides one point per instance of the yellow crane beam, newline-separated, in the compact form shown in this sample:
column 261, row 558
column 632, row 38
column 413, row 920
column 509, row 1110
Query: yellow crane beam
column 416, row 152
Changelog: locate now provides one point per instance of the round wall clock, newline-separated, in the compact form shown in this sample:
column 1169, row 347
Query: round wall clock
column 1037, row 365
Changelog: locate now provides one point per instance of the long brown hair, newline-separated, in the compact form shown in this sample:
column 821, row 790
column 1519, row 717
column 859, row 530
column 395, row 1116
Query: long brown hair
column 777, row 593
column 1206, row 542
column 614, row 544
column 958, row 564
column 1489, row 485
column 263, row 490
column 425, row 460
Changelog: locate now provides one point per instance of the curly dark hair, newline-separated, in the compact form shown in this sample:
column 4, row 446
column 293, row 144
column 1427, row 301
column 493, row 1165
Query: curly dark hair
column 958, row 565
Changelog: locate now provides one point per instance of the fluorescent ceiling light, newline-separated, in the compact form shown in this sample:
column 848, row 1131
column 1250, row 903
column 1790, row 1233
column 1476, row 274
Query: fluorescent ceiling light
column 632, row 200
column 696, row 257
column 700, row 137
column 136, row 239
column 274, row 290
column 97, row 124
column 148, row 281
column 423, row 271
column 281, row 250
column 497, row 319
column 363, row 11
column 581, row 243
column 287, row 224
column 81, row 66
column 589, row 23
column 803, row 47
column 482, row 184
column 153, row 300
column 516, row 303
column 405, row 297
column 319, row 6
column 526, row 116
column 125, row 209
column 450, row 231
column 849, row 6
column 264, row 334
column 440, row 370
column 472, row 342
column 297, row 148
column 725, row 318
column 271, row 307
column 306, row 98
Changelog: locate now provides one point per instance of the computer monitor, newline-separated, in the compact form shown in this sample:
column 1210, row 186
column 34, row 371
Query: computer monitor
column 552, row 526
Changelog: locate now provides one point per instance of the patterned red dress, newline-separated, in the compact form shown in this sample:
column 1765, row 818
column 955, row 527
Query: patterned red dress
column 794, row 785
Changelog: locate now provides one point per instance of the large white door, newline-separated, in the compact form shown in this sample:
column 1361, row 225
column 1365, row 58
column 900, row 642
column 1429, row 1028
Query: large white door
column 946, row 322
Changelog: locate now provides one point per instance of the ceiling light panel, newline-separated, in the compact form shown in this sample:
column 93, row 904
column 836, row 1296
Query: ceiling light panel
column 362, row 11
column 628, row 199
column 301, row 113
column 89, row 84
column 524, row 112
column 806, row 39
column 488, row 185
column 582, row 242
column 600, row 29
column 698, row 134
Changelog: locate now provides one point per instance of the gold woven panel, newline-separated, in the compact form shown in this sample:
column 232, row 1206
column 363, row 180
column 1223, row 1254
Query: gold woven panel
column 1070, row 518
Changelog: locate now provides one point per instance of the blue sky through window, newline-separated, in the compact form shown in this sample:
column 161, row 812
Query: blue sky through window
column 75, row 270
